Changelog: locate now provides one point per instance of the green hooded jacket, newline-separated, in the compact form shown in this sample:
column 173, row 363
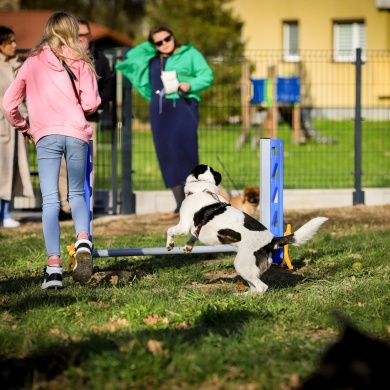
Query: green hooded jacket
column 189, row 63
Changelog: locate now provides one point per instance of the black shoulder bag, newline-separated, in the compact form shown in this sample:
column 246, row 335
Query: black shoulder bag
column 72, row 79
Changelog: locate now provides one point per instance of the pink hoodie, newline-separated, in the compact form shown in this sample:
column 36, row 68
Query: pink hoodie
column 52, row 104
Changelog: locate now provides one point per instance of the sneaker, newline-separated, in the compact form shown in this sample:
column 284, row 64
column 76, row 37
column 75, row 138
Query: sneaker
column 10, row 223
column 82, row 270
column 52, row 277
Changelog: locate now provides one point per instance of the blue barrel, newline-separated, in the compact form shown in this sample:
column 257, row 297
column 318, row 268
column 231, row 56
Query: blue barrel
column 259, row 91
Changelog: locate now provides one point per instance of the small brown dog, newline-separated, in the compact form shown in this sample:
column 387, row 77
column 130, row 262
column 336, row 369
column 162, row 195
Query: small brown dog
column 247, row 201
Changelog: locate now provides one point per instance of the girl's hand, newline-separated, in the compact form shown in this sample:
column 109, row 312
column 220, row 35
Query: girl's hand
column 27, row 137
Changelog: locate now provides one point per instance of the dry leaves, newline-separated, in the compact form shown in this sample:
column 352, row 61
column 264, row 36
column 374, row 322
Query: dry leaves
column 154, row 319
column 56, row 332
column 114, row 280
column 7, row 317
column 182, row 325
column 156, row 348
column 113, row 325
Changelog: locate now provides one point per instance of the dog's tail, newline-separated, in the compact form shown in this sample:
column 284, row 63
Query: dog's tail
column 308, row 230
column 302, row 235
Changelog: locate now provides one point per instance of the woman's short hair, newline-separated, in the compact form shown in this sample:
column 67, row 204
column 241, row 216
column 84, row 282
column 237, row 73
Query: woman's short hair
column 6, row 35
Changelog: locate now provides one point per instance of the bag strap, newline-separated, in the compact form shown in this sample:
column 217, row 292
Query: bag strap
column 72, row 79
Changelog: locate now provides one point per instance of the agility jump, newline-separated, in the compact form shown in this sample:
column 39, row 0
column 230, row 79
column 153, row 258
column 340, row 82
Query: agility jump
column 271, row 206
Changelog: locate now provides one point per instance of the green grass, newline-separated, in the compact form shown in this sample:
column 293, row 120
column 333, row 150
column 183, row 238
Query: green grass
column 311, row 165
column 306, row 166
column 174, row 322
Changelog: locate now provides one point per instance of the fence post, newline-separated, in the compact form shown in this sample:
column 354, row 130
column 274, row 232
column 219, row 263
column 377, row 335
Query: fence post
column 128, row 197
column 114, row 141
column 358, row 195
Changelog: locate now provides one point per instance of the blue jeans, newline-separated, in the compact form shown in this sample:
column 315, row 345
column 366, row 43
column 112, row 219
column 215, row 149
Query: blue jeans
column 4, row 213
column 49, row 152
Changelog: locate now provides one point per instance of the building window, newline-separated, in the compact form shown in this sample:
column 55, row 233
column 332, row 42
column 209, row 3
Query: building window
column 348, row 36
column 291, row 41
column 383, row 4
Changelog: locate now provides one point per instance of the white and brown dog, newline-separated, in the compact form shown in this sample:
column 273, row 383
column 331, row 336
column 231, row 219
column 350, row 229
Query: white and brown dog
column 212, row 220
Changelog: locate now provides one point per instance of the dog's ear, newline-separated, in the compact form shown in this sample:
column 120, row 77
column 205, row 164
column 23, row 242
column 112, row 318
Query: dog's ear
column 217, row 176
column 199, row 170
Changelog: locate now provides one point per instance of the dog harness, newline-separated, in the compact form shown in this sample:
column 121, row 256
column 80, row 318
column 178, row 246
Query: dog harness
column 208, row 213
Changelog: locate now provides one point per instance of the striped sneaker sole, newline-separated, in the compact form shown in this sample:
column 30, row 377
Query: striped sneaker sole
column 82, row 271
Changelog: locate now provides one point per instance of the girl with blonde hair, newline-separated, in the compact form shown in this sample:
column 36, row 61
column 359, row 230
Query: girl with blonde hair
column 62, row 29
column 56, row 123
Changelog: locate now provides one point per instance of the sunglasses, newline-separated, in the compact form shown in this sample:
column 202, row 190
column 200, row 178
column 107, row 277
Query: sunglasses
column 160, row 43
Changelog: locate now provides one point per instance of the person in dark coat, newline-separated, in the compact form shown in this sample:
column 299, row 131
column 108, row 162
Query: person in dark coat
column 106, row 89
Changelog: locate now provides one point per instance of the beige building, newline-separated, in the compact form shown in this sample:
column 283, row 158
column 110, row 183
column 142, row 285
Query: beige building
column 316, row 40
column 315, row 24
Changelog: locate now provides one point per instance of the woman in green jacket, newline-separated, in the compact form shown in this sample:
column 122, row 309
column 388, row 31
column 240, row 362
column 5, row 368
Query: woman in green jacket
column 170, row 76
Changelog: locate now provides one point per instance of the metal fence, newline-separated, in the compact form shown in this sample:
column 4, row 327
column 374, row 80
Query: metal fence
column 233, row 118
column 256, row 97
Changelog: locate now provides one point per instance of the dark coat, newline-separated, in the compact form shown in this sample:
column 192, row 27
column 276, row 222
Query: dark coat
column 105, row 82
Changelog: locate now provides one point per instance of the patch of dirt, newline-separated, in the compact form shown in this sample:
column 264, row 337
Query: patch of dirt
column 133, row 224
column 373, row 217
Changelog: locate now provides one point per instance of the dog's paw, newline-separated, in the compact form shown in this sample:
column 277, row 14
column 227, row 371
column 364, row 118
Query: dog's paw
column 170, row 246
column 187, row 249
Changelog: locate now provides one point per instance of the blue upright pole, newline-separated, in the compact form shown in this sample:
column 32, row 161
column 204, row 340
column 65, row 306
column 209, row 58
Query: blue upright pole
column 88, row 187
column 271, row 188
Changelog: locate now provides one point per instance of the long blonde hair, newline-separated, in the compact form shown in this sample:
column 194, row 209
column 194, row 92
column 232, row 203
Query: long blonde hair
column 62, row 29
